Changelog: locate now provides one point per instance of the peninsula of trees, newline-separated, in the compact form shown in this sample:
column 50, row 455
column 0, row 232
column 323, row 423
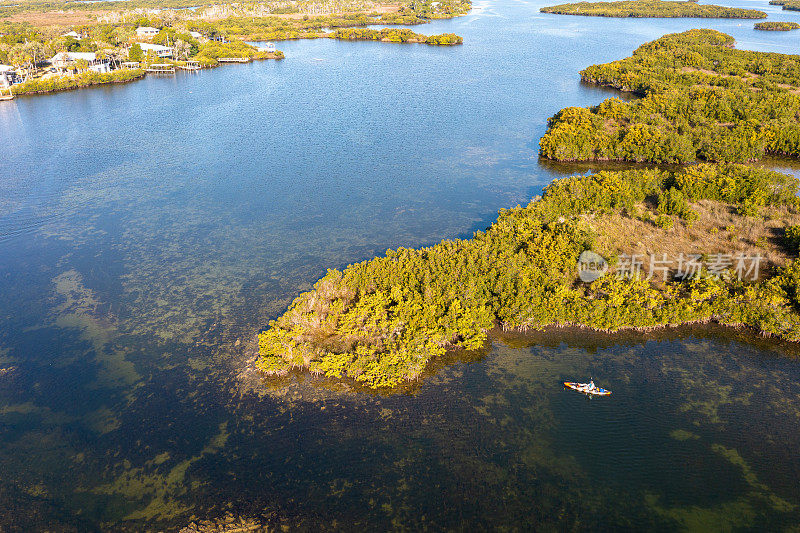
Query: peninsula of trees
column 653, row 9
column 381, row 321
column 702, row 100
column 777, row 26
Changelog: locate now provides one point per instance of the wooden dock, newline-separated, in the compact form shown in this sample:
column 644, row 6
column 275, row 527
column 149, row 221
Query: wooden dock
column 161, row 68
column 5, row 96
column 234, row 59
column 190, row 65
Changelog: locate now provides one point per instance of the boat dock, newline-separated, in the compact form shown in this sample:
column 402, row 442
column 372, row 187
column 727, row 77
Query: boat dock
column 234, row 59
column 6, row 94
column 161, row 68
column 190, row 65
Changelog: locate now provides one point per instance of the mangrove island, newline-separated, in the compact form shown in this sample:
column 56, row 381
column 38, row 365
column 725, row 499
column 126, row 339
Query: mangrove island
column 776, row 26
column 653, row 9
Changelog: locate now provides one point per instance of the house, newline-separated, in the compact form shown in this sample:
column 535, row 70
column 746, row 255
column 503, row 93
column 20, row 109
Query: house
column 157, row 49
column 146, row 31
column 6, row 76
column 75, row 35
column 68, row 62
column 196, row 35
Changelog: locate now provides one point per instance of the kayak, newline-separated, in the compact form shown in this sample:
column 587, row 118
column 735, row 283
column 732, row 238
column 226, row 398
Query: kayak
column 587, row 389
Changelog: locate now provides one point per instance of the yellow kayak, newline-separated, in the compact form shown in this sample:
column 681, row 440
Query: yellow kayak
column 587, row 388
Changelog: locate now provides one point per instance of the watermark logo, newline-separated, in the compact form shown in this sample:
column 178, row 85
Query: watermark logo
column 591, row 266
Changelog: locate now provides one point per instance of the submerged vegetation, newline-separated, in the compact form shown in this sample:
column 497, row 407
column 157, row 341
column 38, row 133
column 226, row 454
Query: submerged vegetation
column 702, row 100
column 777, row 26
column 653, row 9
column 381, row 321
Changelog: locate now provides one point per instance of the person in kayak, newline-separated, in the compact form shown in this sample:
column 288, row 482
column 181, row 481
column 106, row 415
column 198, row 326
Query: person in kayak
column 591, row 384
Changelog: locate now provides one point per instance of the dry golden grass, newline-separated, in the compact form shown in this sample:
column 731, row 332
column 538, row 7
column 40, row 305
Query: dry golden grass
column 719, row 229
column 55, row 18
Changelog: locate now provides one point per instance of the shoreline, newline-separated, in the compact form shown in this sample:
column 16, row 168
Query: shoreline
column 253, row 379
column 141, row 73
column 389, row 33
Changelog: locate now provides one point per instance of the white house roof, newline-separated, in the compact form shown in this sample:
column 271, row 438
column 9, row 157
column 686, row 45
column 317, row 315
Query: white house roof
column 195, row 34
column 146, row 29
column 6, row 68
column 154, row 47
column 61, row 56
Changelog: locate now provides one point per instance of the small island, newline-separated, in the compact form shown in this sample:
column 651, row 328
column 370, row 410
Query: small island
column 395, row 35
column 776, row 26
column 653, row 9
column 702, row 100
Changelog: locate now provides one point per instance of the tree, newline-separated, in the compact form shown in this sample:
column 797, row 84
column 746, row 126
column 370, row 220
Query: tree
column 135, row 53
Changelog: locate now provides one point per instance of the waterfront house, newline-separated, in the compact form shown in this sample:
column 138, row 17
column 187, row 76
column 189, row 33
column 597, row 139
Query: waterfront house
column 67, row 62
column 6, row 75
column 146, row 31
column 75, row 35
column 157, row 49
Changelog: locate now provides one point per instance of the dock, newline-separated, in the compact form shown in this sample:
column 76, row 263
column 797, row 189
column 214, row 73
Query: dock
column 190, row 65
column 161, row 68
column 234, row 59
column 5, row 96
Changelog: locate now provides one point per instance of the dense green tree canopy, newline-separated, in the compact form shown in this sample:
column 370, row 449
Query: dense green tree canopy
column 653, row 9
column 702, row 100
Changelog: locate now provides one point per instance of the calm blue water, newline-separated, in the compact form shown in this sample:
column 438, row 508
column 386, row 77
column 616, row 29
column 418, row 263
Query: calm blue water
column 148, row 231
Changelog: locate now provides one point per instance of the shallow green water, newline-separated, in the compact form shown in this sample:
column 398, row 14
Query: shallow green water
column 148, row 231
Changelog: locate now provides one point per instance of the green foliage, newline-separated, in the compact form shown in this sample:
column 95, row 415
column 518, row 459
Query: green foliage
column 135, row 53
column 169, row 36
column 210, row 51
column 702, row 100
column 444, row 39
column 381, row 321
column 777, row 26
column 792, row 238
column 653, row 9
column 394, row 35
column 672, row 201
column 664, row 221
column 84, row 79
